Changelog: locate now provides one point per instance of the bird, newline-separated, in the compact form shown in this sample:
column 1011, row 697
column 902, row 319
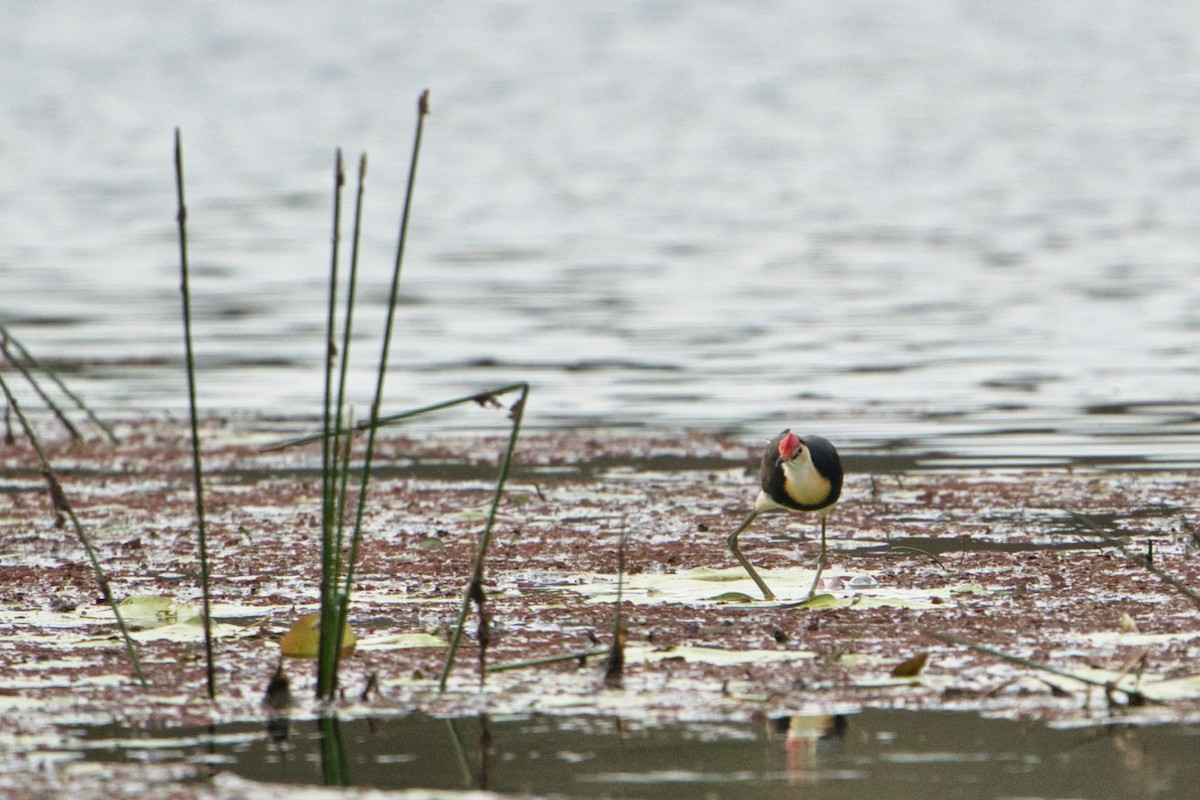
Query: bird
column 799, row 473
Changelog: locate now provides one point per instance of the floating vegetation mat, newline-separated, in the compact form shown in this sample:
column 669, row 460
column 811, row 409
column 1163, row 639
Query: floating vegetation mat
column 1047, row 567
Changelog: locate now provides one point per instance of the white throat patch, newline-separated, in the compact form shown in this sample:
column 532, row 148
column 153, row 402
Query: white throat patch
column 803, row 483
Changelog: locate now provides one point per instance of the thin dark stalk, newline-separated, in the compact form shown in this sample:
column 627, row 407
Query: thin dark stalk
column 377, row 402
column 41, row 393
column 486, row 397
column 347, row 444
column 583, row 655
column 925, row 553
column 352, row 283
column 61, row 503
column 344, row 367
column 197, row 469
column 330, row 637
column 27, row 356
column 1135, row 697
column 475, row 587
column 1119, row 545
column 483, row 634
column 347, row 429
column 614, row 664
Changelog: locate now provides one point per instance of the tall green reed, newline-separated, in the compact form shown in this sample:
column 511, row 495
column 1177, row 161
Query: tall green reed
column 335, row 596
column 197, row 465
column 337, row 571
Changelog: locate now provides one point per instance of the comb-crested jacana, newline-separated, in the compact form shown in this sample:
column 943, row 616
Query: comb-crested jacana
column 799, row 473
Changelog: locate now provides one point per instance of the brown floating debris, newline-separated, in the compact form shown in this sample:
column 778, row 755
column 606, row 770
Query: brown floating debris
column 910, row 667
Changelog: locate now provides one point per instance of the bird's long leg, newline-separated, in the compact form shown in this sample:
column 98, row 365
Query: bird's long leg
column 820, row 564
column 737, row 553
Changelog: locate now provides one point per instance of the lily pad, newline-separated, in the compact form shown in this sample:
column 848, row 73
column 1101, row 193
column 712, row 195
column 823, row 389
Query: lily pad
column 694, row 586
column 401, row 641
column 146, row 610
column 303, row 639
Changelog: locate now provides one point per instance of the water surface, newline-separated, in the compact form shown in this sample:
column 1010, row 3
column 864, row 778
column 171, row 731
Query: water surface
column 895, row 754
column 952, row 229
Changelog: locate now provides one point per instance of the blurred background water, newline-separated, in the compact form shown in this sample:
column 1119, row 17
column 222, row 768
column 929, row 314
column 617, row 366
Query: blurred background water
column 967, row 231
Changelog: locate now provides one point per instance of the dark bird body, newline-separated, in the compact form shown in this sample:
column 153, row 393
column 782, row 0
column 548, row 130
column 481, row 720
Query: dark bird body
column 799, row 474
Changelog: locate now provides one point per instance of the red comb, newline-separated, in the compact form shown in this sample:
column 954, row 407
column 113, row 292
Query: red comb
column 788, row 446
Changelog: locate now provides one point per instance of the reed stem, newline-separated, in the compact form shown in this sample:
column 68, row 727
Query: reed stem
column 330, row 635
column 1135, row 696
column 482, row 397
column 1119, row 546
column 614, row 664
column 581, row 656
column 381, row 374
column 61, row 503
column 41, row 393
column 197, row 467
column 474, row 590
column 346, row 430
column 7, row 336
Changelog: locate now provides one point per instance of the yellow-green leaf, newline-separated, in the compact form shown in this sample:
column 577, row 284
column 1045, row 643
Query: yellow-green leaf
column 303, row 639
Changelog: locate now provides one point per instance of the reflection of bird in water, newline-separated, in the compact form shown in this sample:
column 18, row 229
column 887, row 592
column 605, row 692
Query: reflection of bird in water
column 802, row 734
column 799, row 473
column 811, row 726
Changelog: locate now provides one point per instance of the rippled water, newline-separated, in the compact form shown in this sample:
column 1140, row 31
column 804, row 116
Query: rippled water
column 963, row 230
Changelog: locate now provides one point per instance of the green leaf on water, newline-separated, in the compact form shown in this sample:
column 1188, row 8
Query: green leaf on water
column 821, row 601
column 149, row 610
column 431, row 543
column 732, row 597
